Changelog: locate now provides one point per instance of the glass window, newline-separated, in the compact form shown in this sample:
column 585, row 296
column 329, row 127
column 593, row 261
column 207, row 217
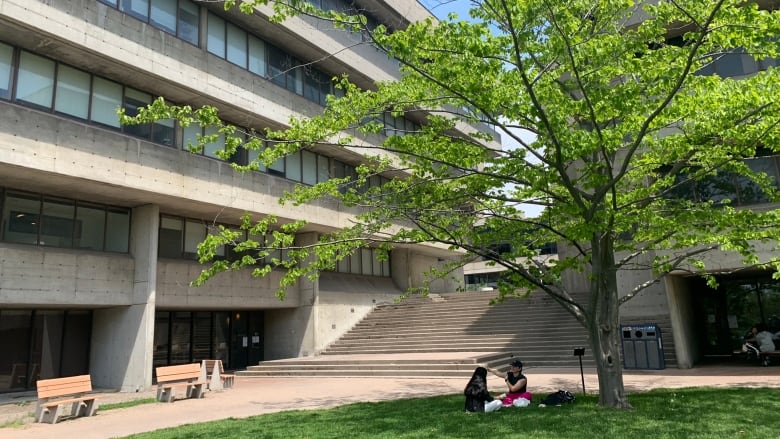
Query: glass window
column 311, row 85
column 257, row 56
column 91, row 227
column 216, row 36
column 6, row 63
column 253, row 155
column 210, row 149
column 109, row 2
column 323, row 170
column 163, row 132
column 72, row 92
column 190, row 135
column 278, row 64
column 194, row 233
column 117, row 230
column 220, row 251
column 162, row 320
column 77, row 332
column 170, row 238
column 295, row 79
column 343, row 266
column 366, row 257
column 21, row 216
column 134, row 100
column 180, row 337
column 293, row 168
column 277, row 167
column 137, row 8
column 354, row 262
column 309, row 160
column 57, row 223
column 16, row 331
column 201, row 336
column 376, row 264
column 386, row 268
column 163, row 15
column 35, row 84
column 236, row 46
column 188, row 22
column 106, row 100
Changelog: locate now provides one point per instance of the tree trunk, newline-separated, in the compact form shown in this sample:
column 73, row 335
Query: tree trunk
column 603, row 324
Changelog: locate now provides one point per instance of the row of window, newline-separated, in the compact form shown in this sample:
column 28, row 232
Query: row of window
column 38, row 219
column 41, row 83
column 58, row 222
column 179, row 239
column 44, row 84
column 180, row 18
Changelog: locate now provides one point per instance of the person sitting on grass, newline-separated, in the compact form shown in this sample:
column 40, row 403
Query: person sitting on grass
column 516, row 383
column 478, row 398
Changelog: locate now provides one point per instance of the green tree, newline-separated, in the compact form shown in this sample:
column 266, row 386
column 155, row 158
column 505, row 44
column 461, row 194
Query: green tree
column 624, row 128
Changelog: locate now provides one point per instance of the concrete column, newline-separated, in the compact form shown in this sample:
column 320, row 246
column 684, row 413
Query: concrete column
column 294, row 331
column 123, row 337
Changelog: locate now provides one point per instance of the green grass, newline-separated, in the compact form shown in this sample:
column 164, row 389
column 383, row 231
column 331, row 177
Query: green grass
column 131, row 403
column 663, row 413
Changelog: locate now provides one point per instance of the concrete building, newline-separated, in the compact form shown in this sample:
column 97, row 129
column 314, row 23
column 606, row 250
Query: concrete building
column 100, row 222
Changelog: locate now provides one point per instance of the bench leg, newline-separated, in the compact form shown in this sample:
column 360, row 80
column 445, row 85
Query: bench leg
column 51, row 416
column 89, row 408
column 165, row 394
column 195, row 391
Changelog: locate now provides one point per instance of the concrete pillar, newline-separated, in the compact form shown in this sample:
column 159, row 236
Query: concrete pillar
column 294, row 330
column 123, row 337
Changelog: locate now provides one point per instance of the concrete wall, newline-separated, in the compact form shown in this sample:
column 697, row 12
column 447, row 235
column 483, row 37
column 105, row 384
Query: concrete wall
column 686, row 346
column 228, row 290
column 40, row 276
column 410, row 267
column 122, row 338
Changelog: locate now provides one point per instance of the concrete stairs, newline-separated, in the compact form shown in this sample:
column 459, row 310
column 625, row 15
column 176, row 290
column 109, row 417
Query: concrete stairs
column 446, row 335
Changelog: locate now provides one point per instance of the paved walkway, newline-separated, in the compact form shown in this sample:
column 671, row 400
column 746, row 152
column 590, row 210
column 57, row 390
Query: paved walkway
column 254, row 396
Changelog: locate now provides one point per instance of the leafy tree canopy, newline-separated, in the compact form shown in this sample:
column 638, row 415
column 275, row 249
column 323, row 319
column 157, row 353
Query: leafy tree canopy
column 624, row 120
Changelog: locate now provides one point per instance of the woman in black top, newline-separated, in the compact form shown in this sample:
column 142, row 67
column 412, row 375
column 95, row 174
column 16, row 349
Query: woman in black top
column 477, row 397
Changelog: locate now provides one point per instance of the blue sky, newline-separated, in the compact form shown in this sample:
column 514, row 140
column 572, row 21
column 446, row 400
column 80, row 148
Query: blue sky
column 441, row 8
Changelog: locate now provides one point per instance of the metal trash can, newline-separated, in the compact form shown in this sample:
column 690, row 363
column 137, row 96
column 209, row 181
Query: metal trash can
column 642, row 348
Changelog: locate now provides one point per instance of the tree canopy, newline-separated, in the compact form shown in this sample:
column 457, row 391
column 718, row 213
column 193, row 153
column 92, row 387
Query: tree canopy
column 635, row 134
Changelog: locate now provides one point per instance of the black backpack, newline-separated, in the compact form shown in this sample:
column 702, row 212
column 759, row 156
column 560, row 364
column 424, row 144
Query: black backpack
column 558, row 398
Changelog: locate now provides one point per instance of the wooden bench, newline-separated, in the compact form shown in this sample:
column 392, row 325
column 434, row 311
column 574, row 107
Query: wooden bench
column 182, row 375
column 73, row 389
column 213, row 372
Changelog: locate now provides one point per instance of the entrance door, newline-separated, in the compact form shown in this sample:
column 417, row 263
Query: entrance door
column 737, row 305
column 246, row 348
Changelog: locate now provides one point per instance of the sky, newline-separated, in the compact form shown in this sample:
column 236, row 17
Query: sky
column 441, row 8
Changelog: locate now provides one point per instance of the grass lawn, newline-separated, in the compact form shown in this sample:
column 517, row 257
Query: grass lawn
column 664, row 413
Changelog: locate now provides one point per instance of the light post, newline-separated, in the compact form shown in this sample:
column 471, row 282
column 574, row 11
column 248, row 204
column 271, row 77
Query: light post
column 579, row 352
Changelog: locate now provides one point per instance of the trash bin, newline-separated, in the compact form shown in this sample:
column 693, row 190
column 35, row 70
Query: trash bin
column 642, row 348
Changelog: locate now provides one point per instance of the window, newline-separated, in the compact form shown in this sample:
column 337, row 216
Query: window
column 59, row 222
column 6, row 65
column 323, row 168
column 92, row 223
column 137, row 8
column 216, row 36
column 72, row 92
column 189, row 22
column 170, row 240
column 257, row 56
column 163, row 15
column 106, row 100
column 134, row 100
column 21, row 215
column 36, row 80
column 293, row 166
column 210, row 149
column 117, row 230
column 309, row 165
column 194, row 233
column 366, row 258
column 236, row 46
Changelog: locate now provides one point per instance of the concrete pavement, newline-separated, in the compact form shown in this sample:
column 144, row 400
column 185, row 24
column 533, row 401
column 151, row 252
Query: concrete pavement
column 253, row 396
